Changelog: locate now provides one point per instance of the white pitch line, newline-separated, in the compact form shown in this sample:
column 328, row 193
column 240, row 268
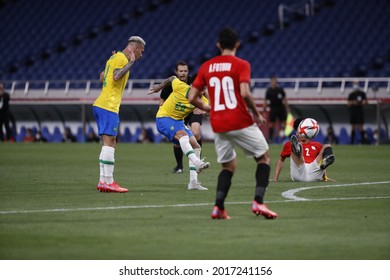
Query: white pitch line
column 290, row 194
column 292, row 198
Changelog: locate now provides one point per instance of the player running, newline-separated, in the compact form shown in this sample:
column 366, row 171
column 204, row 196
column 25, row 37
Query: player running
column 227, row 79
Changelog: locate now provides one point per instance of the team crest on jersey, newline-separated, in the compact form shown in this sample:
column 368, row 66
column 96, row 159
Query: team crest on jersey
column 172, row 127
column 313, row 148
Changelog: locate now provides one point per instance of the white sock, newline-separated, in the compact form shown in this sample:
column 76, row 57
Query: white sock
column 108, row 160
column 101, row 179
column 188, row 151
column 193, row 173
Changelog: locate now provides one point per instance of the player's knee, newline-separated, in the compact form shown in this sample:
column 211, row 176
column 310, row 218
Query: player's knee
column 197, row 135
column 265, row 158
column 326, row 146
column 230, row 166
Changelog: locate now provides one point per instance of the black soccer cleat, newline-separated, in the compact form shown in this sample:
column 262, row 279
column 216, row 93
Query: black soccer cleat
column 295, row 146
column 327, row 161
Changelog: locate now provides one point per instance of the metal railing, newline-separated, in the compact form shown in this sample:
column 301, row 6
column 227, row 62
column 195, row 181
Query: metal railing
column 84, row 88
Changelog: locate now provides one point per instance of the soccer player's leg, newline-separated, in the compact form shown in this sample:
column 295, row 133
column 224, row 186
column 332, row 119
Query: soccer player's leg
column 262, row 180
column 183, row 137
column 252, row 141
column 194, row 183
column 227, row 158
column 178, row 169
column 326, row 156
column 223, row 186
column 108, row 124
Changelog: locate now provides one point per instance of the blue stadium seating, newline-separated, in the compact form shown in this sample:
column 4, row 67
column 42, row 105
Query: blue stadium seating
column 22, row 133
column 344, row 138
column 57, row 136
column 46, row 134
column 72, row 39
column 135, row 136
column 126, row 136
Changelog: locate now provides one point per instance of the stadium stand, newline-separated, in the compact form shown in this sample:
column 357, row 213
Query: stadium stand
column 73, row 40
column 60, row 41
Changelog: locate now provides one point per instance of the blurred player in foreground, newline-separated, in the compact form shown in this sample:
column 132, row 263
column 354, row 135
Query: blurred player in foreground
column 309, row 159
column 170, row 123
column 106, row 108
column 227, row 79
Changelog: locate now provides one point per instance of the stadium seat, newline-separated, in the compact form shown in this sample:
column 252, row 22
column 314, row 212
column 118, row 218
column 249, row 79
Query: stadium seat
column 341, row 54
column 57, row 135
column 154, row 137
column 21, row 134
column 370, row 136
column 344, row 138
column 135, row 136
column 126, row 136
column 46, row 134
column 79, row 135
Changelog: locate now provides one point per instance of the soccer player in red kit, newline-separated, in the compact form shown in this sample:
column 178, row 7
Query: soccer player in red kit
column 227, row 79
column 309, row 159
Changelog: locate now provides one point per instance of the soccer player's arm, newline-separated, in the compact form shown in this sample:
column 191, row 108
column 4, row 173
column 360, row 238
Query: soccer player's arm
column 101, row 77
column 196, row 92
column 119, row 73
column 365, row 100
column 157, row 87
column 286, row 152
column 250, row 103
column 351, row 102
column 265, row 105
column 195, row 98
column 245, row 92
column 165, row 93
column 278, row 168
column 285, row 102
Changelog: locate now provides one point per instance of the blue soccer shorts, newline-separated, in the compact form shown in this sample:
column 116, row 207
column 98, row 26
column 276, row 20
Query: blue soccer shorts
column 107, row 121
column 168, row 127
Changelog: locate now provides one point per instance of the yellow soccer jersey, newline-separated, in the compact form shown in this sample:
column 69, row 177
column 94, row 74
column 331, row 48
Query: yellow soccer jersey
column 177, row 106
column 111, row 94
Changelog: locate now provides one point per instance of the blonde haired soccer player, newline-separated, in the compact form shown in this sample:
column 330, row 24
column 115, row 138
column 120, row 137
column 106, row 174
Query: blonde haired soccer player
column 170, row 123
column 106, row 108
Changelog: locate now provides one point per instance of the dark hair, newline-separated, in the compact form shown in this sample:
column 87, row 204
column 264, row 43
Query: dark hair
column 297, row 122
column 228, row 38
column 181, row 63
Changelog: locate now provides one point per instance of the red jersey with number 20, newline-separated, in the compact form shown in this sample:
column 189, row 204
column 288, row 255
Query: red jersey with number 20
column 222, row 76
column 310, row 151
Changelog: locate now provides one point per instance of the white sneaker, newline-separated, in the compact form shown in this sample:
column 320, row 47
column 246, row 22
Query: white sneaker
column 195, row 185
column 202, row 166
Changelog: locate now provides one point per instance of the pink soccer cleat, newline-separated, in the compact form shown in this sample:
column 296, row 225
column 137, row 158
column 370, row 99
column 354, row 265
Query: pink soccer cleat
column 113, row 187
column 262, row 209
column 219, row 214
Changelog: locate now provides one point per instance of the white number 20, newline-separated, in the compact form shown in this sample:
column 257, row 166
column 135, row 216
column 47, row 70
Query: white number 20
column 227, row 86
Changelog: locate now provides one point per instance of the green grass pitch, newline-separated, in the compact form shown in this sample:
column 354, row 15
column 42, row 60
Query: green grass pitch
column 50, row 208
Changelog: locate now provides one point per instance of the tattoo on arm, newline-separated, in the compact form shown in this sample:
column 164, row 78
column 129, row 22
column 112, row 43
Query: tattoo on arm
column 164, row 83
column 120, row 73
